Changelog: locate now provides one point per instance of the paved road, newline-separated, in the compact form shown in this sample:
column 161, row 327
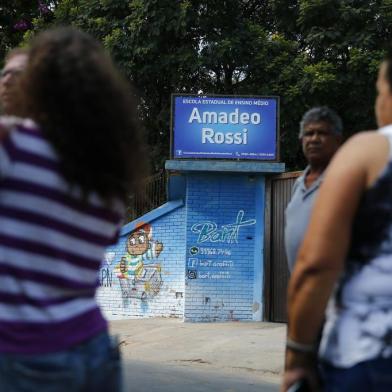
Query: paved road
column 146, row 376
column 167, row 355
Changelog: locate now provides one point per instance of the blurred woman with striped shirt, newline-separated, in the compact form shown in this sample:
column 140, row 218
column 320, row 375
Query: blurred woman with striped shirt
column 67, row 163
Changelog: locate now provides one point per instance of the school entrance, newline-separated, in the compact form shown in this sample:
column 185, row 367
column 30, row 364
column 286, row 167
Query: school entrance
column 278, row 194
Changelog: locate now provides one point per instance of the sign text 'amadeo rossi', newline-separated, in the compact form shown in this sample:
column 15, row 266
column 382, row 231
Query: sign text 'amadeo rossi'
column 215, row 127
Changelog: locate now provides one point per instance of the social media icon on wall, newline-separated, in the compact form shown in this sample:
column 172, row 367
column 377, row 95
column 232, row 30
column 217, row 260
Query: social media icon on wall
column 194, row 250
column 192, row 263
column 192, row 274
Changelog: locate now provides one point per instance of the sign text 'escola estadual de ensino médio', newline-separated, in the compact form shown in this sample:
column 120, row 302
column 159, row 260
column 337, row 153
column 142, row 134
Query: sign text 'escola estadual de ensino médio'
column 234, row 127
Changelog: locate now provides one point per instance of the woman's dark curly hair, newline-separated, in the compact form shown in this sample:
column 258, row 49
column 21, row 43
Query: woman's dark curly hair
column 86, row 110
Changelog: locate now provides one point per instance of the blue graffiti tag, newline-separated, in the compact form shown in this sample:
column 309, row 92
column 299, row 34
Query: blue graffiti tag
column 209, row 231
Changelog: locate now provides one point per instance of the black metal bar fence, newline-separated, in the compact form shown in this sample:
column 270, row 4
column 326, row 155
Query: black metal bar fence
column 151, row 194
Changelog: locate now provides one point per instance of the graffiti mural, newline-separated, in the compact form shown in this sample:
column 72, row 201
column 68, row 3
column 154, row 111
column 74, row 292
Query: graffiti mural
column 210, row 232
column 212, row 254
column 106, row 275
column 138, row 271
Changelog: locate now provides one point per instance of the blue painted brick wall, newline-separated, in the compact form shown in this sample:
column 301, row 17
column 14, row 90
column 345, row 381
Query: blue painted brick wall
column 224, row 260
column 210, row 268
column 164, row 291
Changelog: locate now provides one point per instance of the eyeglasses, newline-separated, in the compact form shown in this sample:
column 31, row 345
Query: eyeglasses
column 12, row 72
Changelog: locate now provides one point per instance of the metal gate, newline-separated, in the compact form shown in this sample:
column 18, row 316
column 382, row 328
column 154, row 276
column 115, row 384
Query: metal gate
column 152, row 194
column 278, row 194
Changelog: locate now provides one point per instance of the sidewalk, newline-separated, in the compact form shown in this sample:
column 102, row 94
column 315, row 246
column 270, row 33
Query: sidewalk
column 238, row 354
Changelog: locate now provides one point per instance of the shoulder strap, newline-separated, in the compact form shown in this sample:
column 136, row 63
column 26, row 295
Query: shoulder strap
column 387, row 132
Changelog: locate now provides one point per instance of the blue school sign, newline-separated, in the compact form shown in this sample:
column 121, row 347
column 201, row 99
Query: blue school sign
column 217, row 127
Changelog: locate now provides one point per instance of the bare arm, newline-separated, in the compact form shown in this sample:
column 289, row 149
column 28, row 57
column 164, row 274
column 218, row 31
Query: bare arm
column 322, row 254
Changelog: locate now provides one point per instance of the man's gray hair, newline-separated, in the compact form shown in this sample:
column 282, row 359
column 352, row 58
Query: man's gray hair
column 322, row 113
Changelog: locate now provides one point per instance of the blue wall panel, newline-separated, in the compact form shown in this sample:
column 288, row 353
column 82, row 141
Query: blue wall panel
column 224, row 247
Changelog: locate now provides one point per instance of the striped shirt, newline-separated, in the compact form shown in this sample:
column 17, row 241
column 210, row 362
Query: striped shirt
column 51, row 247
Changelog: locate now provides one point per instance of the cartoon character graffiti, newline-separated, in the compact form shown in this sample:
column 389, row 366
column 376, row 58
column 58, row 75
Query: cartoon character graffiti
column 138, row 275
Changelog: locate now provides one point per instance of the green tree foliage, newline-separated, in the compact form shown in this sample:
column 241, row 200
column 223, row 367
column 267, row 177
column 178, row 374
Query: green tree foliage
column 348, row 38
column 155, row 45
column 308, row 52
column 17, row 17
